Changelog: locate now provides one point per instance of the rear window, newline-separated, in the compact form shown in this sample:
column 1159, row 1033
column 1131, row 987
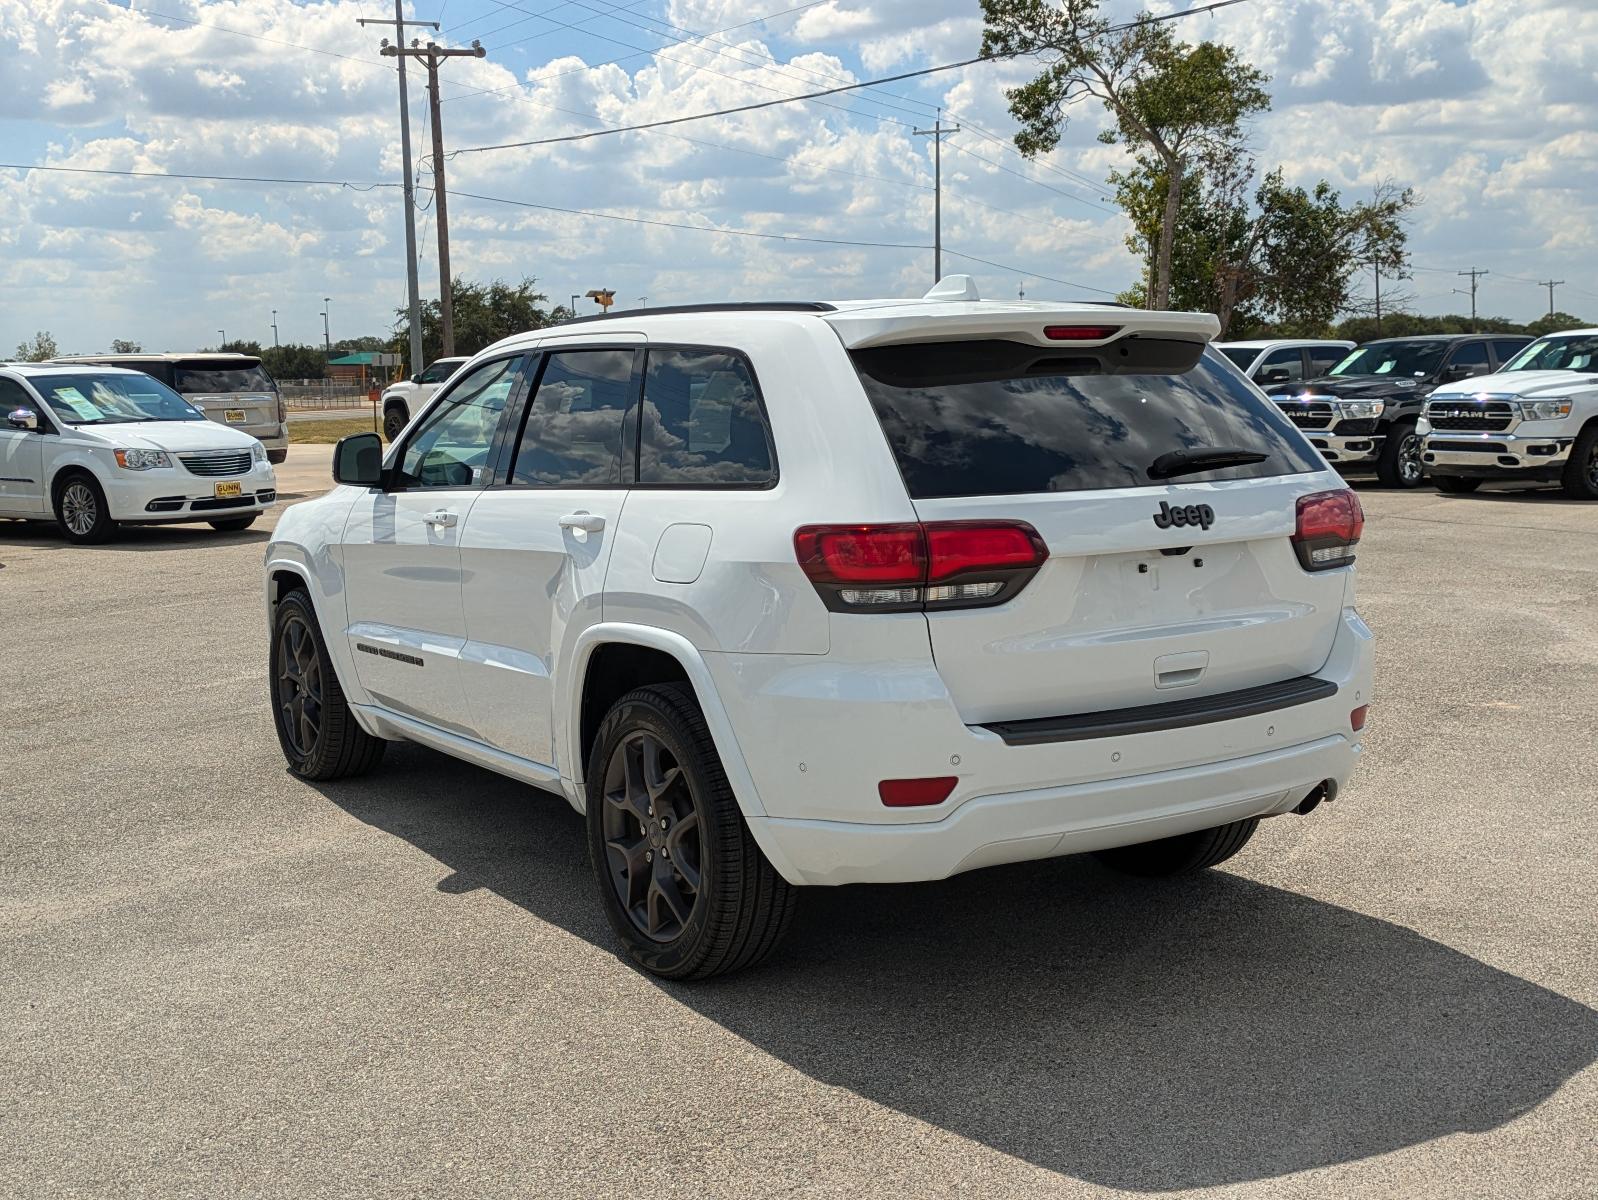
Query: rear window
column 998, row 418
column 213, row 379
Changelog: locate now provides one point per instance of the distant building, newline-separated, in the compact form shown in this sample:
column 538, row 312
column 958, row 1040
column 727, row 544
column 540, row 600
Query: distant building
column 364, row 368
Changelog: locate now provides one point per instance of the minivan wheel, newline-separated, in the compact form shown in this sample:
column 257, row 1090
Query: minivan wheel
column 1183, row 854
column 318, row 732
column 81, row 510
column 394, row 420
column 1581, row 471
column 1455, row 484
column 1399, row 465
column 681, row 879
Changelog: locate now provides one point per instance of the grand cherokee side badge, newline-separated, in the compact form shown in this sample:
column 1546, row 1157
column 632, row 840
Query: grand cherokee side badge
column 1201, row 515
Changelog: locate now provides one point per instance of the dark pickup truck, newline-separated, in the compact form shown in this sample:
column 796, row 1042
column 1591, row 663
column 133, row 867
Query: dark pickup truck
column 1362, row 416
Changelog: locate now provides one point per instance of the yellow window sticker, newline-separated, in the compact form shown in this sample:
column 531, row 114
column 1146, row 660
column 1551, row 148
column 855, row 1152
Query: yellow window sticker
column 75, row 400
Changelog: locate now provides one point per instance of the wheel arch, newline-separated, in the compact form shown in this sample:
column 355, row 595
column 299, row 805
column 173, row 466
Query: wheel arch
column 289, row 568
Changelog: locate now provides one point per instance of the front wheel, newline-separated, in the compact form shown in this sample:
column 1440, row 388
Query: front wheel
column 682, row 882
column 318, row 732
column 1455, row 484
column 1581, row 472
column 233, row 524
column 394, row 420
column 1399, row 465
column 81, row 510
column 1180, row 855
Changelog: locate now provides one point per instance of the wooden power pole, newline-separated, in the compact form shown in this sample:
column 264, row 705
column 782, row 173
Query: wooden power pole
column 936, row 133
column 431, row 55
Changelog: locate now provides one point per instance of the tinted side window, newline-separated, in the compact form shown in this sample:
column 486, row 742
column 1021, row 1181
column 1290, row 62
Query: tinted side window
column 1508, row 350
column 439, row 372
column 573, row 435
column 994, row 418
column 703, row 426
column 451, row 446
column 1323, row 358
column 1291, row 361
column 1471, row 354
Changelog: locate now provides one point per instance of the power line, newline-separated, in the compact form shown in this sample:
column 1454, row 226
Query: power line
column 833, row 91
column 1027, row 273
column 338, row 183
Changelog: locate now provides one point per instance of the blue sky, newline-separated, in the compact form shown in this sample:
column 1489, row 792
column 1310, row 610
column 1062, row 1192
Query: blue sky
column 1487, row 107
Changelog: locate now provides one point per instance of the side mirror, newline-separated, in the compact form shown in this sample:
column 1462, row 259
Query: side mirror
column 1276, row 375
column 23, row 418
column 358, row 460
column 416, row 378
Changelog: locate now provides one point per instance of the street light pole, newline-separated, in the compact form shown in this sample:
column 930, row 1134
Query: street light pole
column 221, row 333
column 274, row 329
column 327, row 330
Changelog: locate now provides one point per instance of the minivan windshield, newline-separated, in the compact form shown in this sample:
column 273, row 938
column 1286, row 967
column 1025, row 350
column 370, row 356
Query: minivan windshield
column 112, row 399
column 1415, row 360
column 1569, row 353
column 217, row 379
column 994, row 418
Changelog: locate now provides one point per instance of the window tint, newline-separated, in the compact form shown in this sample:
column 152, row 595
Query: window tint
column 1471, row 354
column 440, row 371
column 1291, row 361
column 14, row 396
column 702, row 422
column 195, row 379
column 1569, row 353
column 451, row 446
column 997, row 418
column 1508, row 350
column 1409, row 359
column 573, row 435
column 1242, row 356
column 1323, row 358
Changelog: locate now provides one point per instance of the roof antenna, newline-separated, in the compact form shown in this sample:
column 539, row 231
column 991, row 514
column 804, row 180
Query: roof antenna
column 954, row 287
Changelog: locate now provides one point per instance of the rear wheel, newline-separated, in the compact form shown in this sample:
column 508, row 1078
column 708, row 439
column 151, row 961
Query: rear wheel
column 1455, row 484
column 1183, row 854
column 81, row 510
column 315, row 727
column 394, row 419
column 233, row 524
column 1581, row 472
column 682, row 882
column 1399, row 465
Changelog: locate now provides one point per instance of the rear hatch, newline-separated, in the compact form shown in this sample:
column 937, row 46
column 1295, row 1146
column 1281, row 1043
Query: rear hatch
column 1157, row 586
column 236, row 392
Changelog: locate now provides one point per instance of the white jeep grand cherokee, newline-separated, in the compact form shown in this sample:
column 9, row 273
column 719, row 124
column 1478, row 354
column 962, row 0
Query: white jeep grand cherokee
column 789, row 594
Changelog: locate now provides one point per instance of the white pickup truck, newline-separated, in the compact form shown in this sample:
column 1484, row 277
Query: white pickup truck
column 1537, row 419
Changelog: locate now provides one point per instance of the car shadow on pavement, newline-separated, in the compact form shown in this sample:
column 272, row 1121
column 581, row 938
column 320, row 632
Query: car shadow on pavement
column 45, row 535
column 1143, row 1036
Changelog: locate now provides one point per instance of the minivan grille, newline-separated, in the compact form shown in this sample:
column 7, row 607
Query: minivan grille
column 217, row 462
column 1317, row 415
column 1466, row 414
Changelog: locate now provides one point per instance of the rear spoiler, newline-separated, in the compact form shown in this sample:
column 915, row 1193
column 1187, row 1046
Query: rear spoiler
column 1089, row 326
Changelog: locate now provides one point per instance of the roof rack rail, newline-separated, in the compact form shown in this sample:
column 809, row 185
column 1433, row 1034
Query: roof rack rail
column 815, row 306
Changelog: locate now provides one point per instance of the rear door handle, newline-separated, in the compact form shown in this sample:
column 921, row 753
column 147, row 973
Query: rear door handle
column 442, row 519
column 586, row 521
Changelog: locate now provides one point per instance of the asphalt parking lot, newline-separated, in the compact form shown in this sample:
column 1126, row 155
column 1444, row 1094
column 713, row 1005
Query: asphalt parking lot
column 222, row 981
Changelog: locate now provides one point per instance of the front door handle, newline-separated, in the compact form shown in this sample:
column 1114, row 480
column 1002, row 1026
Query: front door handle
column 441, row 519
column 586, row 521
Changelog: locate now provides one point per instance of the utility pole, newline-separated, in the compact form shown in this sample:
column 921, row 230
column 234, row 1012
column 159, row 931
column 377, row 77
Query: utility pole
column 274, row 329
column 327, row 329
column 643, row 302
column 575, row 298
column 413, row 296
column 432, row 54
column 1550, row 284
column 1475, row 273
column 936, row 133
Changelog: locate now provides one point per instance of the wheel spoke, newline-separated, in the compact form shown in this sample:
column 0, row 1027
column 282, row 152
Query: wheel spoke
column 657, row 780
column 664, row 894
column 627, row 858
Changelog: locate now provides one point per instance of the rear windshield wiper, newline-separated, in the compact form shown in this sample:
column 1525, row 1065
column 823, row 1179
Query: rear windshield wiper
column 1202, row 458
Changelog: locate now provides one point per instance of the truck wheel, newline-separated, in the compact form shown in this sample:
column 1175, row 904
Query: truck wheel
column 1455, row 484
column 682, row 882
column 318, row 732
column 1180, row 855
column 1581, row 472
column 81, row 510
column 395, row 419
column 1399, row 464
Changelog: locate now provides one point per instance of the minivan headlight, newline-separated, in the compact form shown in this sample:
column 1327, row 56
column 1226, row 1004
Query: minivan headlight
column 1358, row 410
column 142, row 460
column 1544, row 410
column 258, row 452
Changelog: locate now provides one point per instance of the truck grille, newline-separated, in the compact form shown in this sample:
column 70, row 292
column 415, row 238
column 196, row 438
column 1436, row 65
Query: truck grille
column 1312, row 415
column 217, row 462
column 1491, row 415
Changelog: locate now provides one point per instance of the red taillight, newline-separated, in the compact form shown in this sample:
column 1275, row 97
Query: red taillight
column 916, row 793
column 1080, row 333
column 1329, row 525
column 900, row 568
column 1356, row 719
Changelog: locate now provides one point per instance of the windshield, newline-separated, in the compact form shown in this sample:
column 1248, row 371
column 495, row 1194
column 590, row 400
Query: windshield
column 112, row 399
column 1240, row 355
column 222, row 379
column 1579, row 353
column 1414, row 359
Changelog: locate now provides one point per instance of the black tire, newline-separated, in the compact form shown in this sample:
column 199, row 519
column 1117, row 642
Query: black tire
column 1456, row 485
column 1180, row 855
column 395, row 418
column 1581, row 471
column 277, row 456
column 233, row 524
column 81, row 510
column 741, row 907
column 1399, row 464
column 319, row 735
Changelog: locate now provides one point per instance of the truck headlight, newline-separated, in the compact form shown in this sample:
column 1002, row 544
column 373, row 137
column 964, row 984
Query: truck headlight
column 142, row 460
column 1360, row 410
column 1544, row 410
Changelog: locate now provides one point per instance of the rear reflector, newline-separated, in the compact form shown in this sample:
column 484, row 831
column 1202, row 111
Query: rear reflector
column 1328, row 529
column 916, row 793
column 901, row 568
column 1357, row 718
column 1080, row 333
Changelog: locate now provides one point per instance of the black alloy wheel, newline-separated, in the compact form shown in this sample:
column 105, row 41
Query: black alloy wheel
column 1581, row 471
column 394, row 420
column 320, row 736
column 652, row 837
column 298, row 694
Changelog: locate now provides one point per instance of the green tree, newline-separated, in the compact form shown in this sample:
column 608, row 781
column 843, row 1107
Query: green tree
column 484, row 313
column 123, row 346
column 1556, row 323
column 295, row 361
column 39, row 349
column 240, row 346
column 359, row 345
column 1177, row 107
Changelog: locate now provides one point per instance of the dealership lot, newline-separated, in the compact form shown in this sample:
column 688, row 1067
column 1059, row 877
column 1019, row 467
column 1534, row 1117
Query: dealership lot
column 223, row 980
